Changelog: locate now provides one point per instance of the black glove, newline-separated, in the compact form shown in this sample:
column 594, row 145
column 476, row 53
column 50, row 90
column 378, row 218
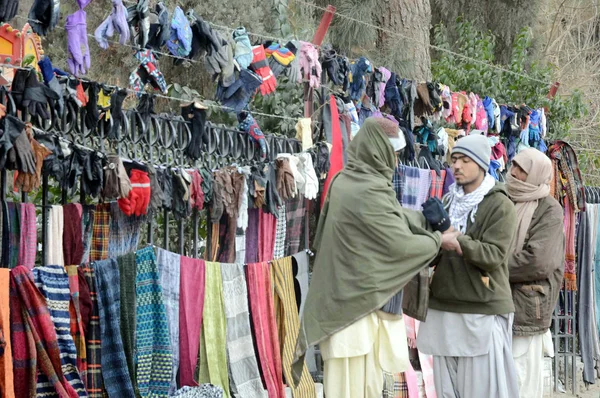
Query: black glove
column 272, row 196
column 436, row 215
column 157, row 196
column 197, row 118
column 116, row 113
column 159, row 29
column 92, row 179
column 13, row 128
column 145, row 107
column 37, row 96
column 139, row 23
column 91, row 109
column 18, row 87
column 165, row 179
column 21, row 156
column 8, row 9
column 330, row 64
column 43, row 16
column 181, row 194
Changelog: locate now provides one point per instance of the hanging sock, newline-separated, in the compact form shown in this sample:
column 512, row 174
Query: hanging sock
column 77, row 332
column 53, row 282
column 28, row 236
column 94, row 383
column 127, row 276
column 6, row 360
column 213, row 354
column 170, row 276
column 114, row 365
column 191, row 309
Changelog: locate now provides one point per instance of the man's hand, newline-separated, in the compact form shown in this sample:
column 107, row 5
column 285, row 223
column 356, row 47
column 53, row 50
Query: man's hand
column 449, row 241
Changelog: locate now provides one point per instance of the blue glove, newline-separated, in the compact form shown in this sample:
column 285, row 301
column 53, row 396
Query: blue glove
column 243, row 49
column 180, row 40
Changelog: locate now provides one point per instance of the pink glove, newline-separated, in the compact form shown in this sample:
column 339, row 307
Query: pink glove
column 310, row 67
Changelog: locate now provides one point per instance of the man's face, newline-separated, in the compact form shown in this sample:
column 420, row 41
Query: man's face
column 517, row 172
column 465, row 170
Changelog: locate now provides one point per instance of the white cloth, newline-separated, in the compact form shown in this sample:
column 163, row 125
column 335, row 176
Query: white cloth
column 242, row 221
column 54, row 250
column 304, row 132
column 310, row 189
column 496, row 115
column 461, row 205
column 443, row 140
column 356, row 356
column 528, row 354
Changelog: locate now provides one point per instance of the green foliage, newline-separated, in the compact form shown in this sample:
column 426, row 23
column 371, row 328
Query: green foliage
column 521, row 87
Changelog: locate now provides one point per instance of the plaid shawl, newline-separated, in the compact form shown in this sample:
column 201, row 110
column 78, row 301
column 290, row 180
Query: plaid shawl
column 191, row 308
column 153, row 346
column 240, row 345
column 28, row 244
column 127, row 276
column 124, row 233
column 87, row 225
column 295, row 213
column 53, row 282
column 213, row 354
column 394, row 385
column 265, row 327
column 280, row 230
column 34, row 343
column 437, row 184
column 76, row 321
column 252, row 236
column 411, row 188
column 100, row 231
column 72, row 234
column 399, row 181
column 114, row 365
column 169, row 273
column 95, row 383
column 12, row 234
column 7, row 389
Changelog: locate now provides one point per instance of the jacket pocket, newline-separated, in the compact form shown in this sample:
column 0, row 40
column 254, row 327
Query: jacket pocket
column 533, row 300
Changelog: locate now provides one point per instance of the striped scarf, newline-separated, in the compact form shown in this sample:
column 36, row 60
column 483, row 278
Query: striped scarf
column 280, row 232
column 295, row 213
column 153, row 346
column 114, row 365
column 53, row 282
column 124, row 232
column 7, row 389
column 213, row 354
column 35, row 347
column 127, row 276
column 76, row 321
column 240, row 345
column 100, row 231
column 28, row 244
column 12, row 235
column 87, row 225
column 93, row 339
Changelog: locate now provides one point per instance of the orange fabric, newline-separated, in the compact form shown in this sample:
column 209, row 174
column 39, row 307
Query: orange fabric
column 6, row 368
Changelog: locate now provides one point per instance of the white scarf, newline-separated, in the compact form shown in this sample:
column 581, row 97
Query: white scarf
column 461, row 205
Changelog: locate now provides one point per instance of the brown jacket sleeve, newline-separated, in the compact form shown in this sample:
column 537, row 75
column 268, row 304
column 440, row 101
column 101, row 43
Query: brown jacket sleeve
column 543, row 251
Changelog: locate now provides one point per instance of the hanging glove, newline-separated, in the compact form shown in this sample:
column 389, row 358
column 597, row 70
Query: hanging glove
column 138, row 18
column 248, row 125
column 207, row 184
column 293, row 163
column 195, row 114
column 147, row 72
column 43, row 16
column 310, row 68
column 91, row 109
column 11, row 131
column 280, row 58
column 181, row 194
column 8, row 9
column 180, row 40
column 156, row 200
column 75, row 92
column 436, row 215
column 92, row 179
column 238, row 95
column 52, row 82
column 286, row 185
column 196, row 193
column 261, row 67
column 115, row 22
column 311, row 182
column 21, row 156
column 358, row 85
column 79, row 52
column 27, row 182
column 243, row 49
column 139, row 197
column 161, row 29
column 116, row 112
column 166, row 182
column 330, row 64
column 116, row 181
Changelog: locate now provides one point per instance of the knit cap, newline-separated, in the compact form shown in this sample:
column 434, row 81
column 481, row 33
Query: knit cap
column 476, row 147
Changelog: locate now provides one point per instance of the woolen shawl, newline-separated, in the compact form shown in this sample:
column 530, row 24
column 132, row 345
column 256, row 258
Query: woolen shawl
column 372, row 246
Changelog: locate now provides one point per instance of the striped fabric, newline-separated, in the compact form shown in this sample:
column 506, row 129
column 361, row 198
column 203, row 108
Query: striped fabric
column 153, row 345
column 169, row 271
column 87, row 224
column 240, row 345
column 399, row 181
column 100, row 231
column 124, row 232
column 28, row 244
column 53, row 282
column 114, row 366
column 76, row 322
column 289, row 325
column 394, row 385
column 411, row 188
column 280, row 231
column 7, row 389
column 127, row 277
column 213, row 354
column 424, row 187
column 13, row 232
column 95, row 384
column 295, row 212
column 265, row 327
column 437, row 184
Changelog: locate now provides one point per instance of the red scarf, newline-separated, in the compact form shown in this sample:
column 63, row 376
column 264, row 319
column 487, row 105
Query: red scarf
column 337, row 151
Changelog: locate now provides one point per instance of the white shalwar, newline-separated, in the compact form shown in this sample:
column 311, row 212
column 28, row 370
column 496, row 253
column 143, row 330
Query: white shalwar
column 528, row 354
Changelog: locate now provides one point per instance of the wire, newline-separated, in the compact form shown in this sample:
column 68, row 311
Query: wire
column 426, row 44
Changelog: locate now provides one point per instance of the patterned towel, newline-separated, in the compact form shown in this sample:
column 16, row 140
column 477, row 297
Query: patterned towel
column 153, row 345
column 53, row 282
column 54, row 249
column 265, row 327
column 240, row 345
column 213, row 354
column 295, row 212
column 6, row 361
column 124, row 233
column 127, row 276
column 191, row 308
column 34, row 341
column 114, row 365
column 285, row 305
column 280, row 231
column 28, row 244
column 169, row 271
column 100, row 232
column 76, row 321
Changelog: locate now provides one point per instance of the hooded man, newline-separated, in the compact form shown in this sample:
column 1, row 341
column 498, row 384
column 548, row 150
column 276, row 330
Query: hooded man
column 468, row 327
column 535, row 267
column 371, row 247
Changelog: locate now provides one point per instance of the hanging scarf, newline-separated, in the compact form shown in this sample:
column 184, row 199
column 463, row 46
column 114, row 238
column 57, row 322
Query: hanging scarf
column 54, row 247
column 100, row 232
column 36, row 349
column 6, row 360
column 191, row 310
column 570, row 250
column 76, row 321
column 280, row 230
column 267, row 229
column 265, row 327
column 114, row 365
column 124, row 233
column 28, row 243
column 127, row 294
column 213, row 354
column 252, row 236
column 527, row 194
column 240, row 345
column 153, row 347
column 170, row 276
column 462, row 205
column 93, row 337
column 73, row 234
column 87, row 221
column 12, row 234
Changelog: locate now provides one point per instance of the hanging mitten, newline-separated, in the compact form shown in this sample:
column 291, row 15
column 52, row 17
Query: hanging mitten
column 116, row 181
column 52, row 82
column 181, row 194
column 261, row 67
column 138, row 18
column 165, row 180
column 311, row 182
column 248, row 125
column 238, row 95
column 91, row 109
column 310, row 68
column 160, row 30
column 157, row 197
column 116, row 22
column 180, row 40
column 243, row 49
column 489, row 111
column 37, row 97
column 8, row 9
column 79, row 52
column 293, row 163
column 195, row 114
column 286, row 185
column 43, row 16
column 280, row 58
column 139, row 197
column 116, row 113
column 27, row 182
column 436, row 215
column 20, row 156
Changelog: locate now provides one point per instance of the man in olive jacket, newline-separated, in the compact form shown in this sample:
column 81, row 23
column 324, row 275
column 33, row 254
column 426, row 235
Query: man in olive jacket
column 468, row 328
column 536, row 266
